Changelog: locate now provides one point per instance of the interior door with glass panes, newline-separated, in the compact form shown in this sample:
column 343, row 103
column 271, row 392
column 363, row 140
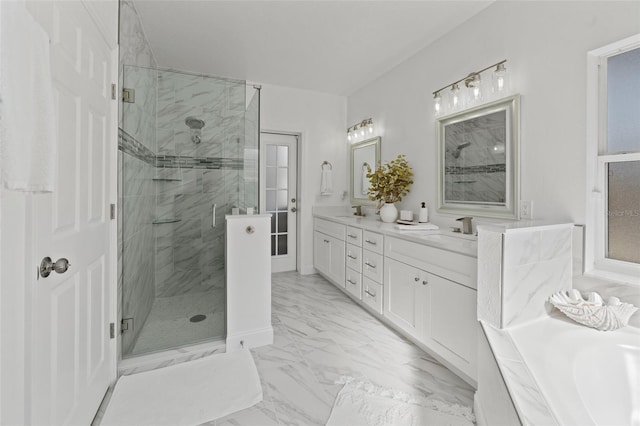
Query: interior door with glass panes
column 278, row 178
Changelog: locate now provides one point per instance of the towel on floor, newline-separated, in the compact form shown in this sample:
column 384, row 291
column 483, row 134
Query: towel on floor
column 27, row 118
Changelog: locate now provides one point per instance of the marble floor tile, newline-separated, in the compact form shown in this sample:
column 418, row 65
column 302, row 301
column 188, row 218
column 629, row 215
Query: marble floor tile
column 320, row 335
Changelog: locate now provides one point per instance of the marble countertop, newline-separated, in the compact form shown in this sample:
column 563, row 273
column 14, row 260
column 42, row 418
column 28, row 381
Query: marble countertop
column 514, row 349
column 443, row 239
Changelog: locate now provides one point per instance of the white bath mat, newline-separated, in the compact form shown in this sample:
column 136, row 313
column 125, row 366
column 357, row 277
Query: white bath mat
column 190, row 393
column 362, row 403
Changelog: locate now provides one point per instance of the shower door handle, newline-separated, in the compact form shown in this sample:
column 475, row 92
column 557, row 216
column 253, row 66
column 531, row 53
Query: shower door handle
column 213, row 216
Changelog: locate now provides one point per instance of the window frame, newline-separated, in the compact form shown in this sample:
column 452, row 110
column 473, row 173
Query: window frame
column 596, row 262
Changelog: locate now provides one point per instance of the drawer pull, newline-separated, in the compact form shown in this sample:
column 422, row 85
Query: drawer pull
column 369, row 293
column 352, row 257
column 351, row 282
column 326, row 241
column 425, row 282
column 371, row 242
column 353, row 236
column 370, row 265
column 416, row 279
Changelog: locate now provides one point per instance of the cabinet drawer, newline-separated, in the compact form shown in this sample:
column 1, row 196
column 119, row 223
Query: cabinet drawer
column 354, row 236
column 373, row 242
column 372, row 265
column 354, row 257
column 330, row 228
column 453, row 266
column 353, row 283
column 372, row 294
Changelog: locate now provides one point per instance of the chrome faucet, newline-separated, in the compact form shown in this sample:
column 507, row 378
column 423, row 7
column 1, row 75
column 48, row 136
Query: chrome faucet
column 358, row 210
column 467, row 228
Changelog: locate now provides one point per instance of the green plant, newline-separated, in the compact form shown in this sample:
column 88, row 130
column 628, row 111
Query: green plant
column 390, row 182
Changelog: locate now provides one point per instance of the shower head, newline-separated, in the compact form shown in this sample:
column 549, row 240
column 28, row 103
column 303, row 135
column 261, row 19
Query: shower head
column 195, row 124
column 459, row 148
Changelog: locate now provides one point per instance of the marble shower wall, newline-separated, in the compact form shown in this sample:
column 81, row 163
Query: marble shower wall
column 193, row 177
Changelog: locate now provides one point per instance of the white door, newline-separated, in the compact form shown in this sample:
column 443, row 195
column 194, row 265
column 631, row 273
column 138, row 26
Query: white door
column 72, row 354
column 278, row 196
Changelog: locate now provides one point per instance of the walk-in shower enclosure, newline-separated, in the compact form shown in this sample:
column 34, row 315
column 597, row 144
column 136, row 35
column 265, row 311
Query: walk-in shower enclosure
column 188, row 155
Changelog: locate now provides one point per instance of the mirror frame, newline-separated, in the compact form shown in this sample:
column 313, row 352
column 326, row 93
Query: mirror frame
column 510, row 209
column 373, row 141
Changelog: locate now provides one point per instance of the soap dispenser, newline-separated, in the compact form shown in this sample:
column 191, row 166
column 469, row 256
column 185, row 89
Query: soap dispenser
column 423, row 216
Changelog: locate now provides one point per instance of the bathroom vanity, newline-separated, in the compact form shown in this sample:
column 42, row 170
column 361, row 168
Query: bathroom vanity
column 421, row 283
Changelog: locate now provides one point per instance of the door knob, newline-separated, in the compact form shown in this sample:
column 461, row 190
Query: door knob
column 293, row 210
column 47, row 265
column 293, row 200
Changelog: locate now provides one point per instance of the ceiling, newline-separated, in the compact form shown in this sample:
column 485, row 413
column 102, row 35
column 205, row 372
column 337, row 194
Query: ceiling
column 327, row 46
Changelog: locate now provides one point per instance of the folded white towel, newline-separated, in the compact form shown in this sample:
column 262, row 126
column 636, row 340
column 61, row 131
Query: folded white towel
column 326, row 183
column 417, row 227
column 27, row 118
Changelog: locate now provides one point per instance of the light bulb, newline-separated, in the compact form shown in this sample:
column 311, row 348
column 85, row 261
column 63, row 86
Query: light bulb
column 437, row 105
column 361, row 130
column 500, row 79
column 455, row 96
column 370, row 126
column 349, row 135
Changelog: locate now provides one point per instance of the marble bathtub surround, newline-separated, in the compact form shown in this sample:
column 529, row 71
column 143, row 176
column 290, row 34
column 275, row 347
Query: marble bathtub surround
column 519, row 268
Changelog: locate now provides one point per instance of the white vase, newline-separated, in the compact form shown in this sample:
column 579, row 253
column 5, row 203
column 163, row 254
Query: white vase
column 388, row 213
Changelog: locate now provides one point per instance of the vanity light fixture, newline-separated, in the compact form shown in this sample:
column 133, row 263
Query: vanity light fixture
column 359, row 130
column 473, row 83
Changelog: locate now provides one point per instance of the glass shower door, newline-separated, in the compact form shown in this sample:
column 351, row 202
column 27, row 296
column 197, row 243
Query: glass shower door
column 199, row 175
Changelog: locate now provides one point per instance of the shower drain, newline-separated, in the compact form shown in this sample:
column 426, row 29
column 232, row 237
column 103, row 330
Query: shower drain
column 198, row 318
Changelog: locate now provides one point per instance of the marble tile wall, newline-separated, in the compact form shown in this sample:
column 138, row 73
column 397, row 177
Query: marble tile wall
column 190, row 253
column 535, row 261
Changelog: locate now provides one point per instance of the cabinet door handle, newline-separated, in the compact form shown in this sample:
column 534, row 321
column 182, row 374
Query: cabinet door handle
column 425, row 282
column 353, row 236
column 326, row 241
column 351, row 282
column 370, row 265
column 369, row 293
column 416, row 279
column 352, row 257
column 371, row 242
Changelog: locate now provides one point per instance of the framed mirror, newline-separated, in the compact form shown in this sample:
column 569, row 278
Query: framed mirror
column 478, row 160
column 363, row 155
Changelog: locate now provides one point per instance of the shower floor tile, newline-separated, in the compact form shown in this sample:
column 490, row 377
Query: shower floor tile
column 168, row 324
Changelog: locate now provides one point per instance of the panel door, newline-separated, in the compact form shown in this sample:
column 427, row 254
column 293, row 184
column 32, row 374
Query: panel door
column 72, row 354
column 402, row 290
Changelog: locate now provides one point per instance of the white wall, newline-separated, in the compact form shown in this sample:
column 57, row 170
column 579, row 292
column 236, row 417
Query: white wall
column 320, row 119
column 546, row 45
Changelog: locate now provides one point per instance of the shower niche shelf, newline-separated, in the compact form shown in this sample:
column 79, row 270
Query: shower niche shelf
column 167, row 179
column 164, row 221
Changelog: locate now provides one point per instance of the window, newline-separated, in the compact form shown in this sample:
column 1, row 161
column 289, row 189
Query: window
column 613, row 153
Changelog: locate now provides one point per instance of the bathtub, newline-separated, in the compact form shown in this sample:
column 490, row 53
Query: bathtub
column 588, row 377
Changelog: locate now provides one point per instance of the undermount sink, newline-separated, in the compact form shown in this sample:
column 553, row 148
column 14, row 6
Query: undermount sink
column 451, row 241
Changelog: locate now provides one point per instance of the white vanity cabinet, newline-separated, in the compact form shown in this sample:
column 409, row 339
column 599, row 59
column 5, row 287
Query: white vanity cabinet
column 404, row 295
column 426, row 292
column 423, row 296
column 329, row 250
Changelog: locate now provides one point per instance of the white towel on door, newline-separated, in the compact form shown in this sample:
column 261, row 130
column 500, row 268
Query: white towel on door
column 326, row 183
column 27, row 118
